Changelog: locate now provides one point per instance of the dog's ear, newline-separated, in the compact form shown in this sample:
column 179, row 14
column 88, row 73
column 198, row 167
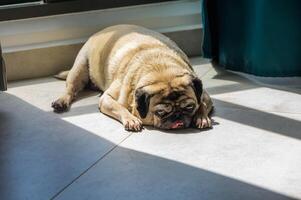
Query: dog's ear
column 142, row 101
column 197, row 86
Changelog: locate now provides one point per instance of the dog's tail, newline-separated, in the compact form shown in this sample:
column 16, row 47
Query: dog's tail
column 62, row 75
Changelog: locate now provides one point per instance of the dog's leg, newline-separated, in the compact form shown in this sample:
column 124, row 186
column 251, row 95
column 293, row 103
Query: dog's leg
column 109, row 106
column 202, row 119
column 77, row 78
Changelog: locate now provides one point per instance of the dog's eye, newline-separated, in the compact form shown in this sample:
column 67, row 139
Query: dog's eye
column 160, row 113
column 189, row 107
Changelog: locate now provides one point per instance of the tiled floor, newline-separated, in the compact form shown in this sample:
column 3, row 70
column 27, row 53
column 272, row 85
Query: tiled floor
column 253, row 151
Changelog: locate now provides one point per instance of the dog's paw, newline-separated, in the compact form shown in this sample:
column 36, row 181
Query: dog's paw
column 132, row 123
column 203, row 122
column 60, row 105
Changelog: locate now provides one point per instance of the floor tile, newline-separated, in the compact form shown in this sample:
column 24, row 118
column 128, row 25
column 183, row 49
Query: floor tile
column 265, row 99
column 84, row 111
column 40, row 154
column 42, row 92
column 232, row 161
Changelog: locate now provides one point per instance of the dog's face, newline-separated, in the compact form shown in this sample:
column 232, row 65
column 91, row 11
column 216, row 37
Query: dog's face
column 170, row 104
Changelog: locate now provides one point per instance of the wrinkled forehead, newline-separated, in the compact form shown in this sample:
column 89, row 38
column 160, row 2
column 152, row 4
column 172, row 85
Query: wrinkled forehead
column 166, row 86
column 176, row 95
column 168, row 94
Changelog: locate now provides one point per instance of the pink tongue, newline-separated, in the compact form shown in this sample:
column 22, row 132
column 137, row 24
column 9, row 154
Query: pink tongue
column 177, row 124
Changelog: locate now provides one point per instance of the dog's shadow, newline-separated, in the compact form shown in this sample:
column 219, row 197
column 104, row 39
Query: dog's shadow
column 178, row 131
column 190, row 130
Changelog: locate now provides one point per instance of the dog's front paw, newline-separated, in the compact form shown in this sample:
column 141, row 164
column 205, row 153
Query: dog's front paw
column 132, row 123
column 60, row 105
column 203, row 122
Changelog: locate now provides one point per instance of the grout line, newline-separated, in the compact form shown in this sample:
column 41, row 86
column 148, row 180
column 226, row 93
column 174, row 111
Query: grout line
column 207, row 72
column 85, row 171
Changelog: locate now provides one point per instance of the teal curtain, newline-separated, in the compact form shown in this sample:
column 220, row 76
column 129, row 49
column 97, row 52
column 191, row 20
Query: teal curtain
column 260, row 37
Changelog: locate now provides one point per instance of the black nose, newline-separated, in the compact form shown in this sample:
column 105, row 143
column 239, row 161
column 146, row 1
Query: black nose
column 176, row 116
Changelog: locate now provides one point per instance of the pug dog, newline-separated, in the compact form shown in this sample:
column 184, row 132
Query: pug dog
column 145, row 77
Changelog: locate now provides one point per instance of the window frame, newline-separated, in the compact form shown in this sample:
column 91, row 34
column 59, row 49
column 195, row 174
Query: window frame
column 3, row 81
column 52, row 7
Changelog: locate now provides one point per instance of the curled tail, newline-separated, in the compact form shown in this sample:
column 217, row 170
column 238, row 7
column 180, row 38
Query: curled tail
column 62, row 75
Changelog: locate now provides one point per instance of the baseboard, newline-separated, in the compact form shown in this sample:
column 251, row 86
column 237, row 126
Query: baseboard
column 41, row 62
